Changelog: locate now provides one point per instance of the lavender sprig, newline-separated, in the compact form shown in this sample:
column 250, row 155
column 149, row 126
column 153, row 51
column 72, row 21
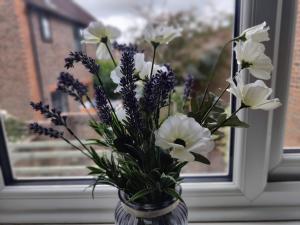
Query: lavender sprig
column 56, row 118
column 103, row 108
column 166, row 84
column 128, row 87
column 68, row 84
column 53, row 114
column 38, row 129
column 52, row 133
column 125, row 47
column 188, row 85
column 73, row 87
column 88, row 62
column 157, row 90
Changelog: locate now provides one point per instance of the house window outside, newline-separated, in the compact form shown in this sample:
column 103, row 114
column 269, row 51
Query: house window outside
column 77, row 31
column 44, row 158
column 59, row 101
column 292, row 128
column 45, row 28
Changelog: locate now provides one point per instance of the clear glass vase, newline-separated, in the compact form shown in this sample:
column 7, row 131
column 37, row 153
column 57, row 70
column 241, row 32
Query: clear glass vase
column 171, row 212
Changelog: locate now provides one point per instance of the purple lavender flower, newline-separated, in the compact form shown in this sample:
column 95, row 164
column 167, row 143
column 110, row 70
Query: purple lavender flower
column 88, row 62
column 68, row 84
column 128, row 87
column 53, row 114
column 38, row 129
column 157, row 90
column 124, row 47
column 103, row 108
column 188, row 85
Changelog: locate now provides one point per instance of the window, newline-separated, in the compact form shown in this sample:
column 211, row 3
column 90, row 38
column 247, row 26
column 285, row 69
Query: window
column 285, row 160
column 60, row 101
column 260, row 188
column 34, row 157
column 45, row 28
column 292, row 128
column 77, row 37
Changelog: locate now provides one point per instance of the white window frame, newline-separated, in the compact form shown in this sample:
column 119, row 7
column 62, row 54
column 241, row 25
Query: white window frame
column 249, row 197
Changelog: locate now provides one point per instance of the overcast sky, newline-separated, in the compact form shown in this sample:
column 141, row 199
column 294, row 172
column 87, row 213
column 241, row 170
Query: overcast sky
column 126, row 14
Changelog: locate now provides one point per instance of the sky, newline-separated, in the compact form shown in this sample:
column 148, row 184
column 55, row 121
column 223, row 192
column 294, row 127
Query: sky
column 129, row 14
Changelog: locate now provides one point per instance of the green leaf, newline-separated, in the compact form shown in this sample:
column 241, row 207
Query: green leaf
column 173, row 193
column 140, row 194
column 234, row 121
column 94, row 141
column 94, row 170
column 167, row 181
column 194, row 105
column 201, row 158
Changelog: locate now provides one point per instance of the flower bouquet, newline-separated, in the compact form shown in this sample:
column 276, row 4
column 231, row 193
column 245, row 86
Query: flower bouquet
column 149, row 148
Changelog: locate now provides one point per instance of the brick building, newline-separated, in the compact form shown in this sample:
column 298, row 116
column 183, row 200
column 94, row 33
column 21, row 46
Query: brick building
column 36, row 36
column 292, row 134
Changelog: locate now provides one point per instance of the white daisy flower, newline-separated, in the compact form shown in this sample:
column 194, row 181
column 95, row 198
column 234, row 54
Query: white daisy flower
column 183, row 135
column 254, row 95
column 98, row 33
column 250, row 55
column 258, row 33
column 161, row 34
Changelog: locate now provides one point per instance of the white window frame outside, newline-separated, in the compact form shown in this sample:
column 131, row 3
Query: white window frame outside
column 249, row 197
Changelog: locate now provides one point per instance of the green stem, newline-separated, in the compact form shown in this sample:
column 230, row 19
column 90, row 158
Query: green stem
column 218, row 99
column 157, row 112
column 232, row 115
column 155, row 45
column 111, row 56
column 90, row 101
column 213, row 71
column 169, row 106
column 72, row 133
column 87, row 110
column 74, row 146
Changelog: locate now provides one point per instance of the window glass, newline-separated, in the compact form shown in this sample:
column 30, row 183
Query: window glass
column 292, row 128
column 60, row 101
column 207, row 26
column 77, row 38
column 46, row 30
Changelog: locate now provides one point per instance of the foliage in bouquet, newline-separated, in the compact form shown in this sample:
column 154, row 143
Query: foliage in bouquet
column 148, row 147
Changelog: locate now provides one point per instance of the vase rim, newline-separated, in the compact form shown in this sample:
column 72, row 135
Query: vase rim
column 148, row 206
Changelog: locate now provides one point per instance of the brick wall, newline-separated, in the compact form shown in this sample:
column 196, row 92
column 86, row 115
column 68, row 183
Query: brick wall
column 51, row 55
column 27, row 74
column 292, row 130
column 17, row 72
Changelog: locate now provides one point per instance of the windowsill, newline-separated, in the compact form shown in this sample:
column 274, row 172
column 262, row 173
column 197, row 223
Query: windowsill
column 227, row 223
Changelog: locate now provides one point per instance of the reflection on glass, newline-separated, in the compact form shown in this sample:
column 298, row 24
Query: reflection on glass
column 292, row 128
column 206, row 24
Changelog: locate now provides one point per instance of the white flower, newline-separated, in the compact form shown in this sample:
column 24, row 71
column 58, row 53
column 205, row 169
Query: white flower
column 183, row 135
column 142, row 69
column 97, row 33
column 101, row 52
column 258, row 33
column 161, row 34
column 250, row 55
column 120, row 112
column 254, row 95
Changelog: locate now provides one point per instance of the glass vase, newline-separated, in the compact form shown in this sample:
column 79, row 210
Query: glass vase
column 170, row 212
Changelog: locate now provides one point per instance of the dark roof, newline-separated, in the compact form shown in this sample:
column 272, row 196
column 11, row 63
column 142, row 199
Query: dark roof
column 66, row 9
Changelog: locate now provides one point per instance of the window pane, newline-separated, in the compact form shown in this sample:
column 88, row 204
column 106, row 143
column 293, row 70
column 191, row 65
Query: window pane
column 207, row 26
column 46, row 32
column 292, row 129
